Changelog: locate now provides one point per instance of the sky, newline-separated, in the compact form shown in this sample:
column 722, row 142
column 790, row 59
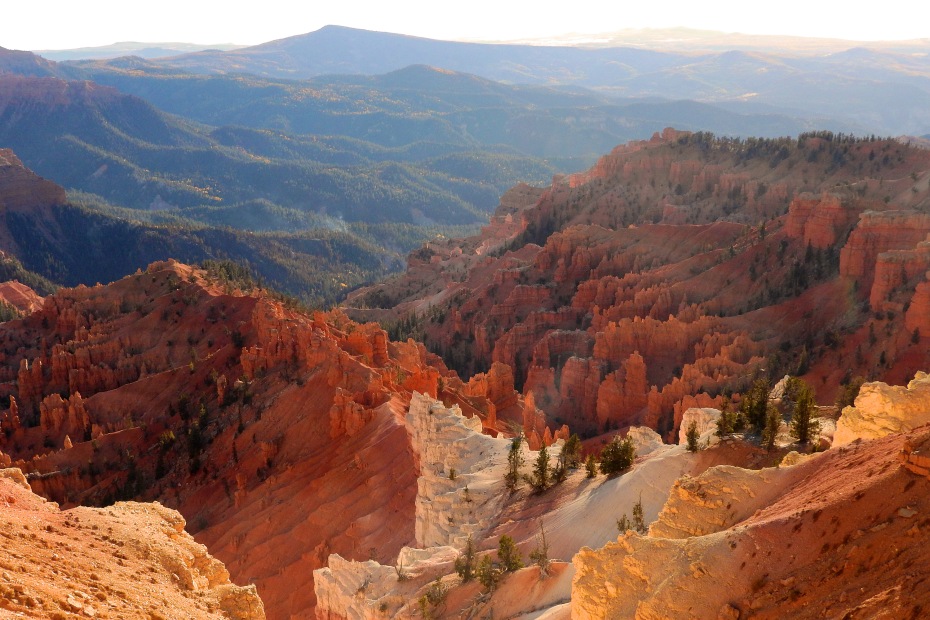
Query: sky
column 65, row 24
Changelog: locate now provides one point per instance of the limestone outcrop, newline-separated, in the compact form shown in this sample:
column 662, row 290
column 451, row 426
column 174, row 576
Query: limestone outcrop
column 881, row 409
column 461, row 484
column 837, row 534
column 460, row 494
column 88, row 562
column 705, row 421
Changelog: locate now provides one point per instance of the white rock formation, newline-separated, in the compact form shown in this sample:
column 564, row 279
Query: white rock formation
column 881, row 409
column 460, row 492
column 706, row 419
column 461, row 483
column 349, row 590
column 645, row 440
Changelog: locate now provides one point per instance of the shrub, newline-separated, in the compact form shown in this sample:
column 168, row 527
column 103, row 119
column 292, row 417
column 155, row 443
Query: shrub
column 692, row 436
column 508, row 554
column 465, row 563
column 617, row 456
column 590, row 465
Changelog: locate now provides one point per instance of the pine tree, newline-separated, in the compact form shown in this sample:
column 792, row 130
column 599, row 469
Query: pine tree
column 540, row 478
column 727, row 419
column 508, row 554
column 772, row 423
column 591, row 466
column 514, row 463
column 804, row 422
column 465, row 563
column 617, row 456
column 488, row 574
column 755, row 404
column 692, row 435
column 639, row 521
column 540, row 555
column 570, row 456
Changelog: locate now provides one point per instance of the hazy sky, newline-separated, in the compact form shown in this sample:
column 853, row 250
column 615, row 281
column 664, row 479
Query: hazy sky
column 61, row 24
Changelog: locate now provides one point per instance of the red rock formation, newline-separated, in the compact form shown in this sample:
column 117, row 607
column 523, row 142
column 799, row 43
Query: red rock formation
column 820, row 221
column 20, row 296
column 918, row 314
column 279, row 435
column 740, row 276
column 622, row 395
column 20, row 188
column 895, row 270
column 879, row 232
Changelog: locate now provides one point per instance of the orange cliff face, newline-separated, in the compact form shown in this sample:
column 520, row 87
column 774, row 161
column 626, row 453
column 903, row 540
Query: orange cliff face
column 676, row 269
column 277, row 433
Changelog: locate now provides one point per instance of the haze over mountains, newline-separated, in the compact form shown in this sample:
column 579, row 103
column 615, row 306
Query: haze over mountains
column 861, row 85
column 418, row 148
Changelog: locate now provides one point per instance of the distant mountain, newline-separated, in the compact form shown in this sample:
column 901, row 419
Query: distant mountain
column 419, row 145
column 336, row 50
column 26, row 64
column 45, row 237
column 690, row 40
column 420, row 105
column 133, row 48
column 880, row 90
column 95, row 139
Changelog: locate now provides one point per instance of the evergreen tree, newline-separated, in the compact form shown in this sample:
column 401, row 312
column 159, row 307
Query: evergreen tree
column 804, row 422
column 540, row 478
column 540, row 555
column 770, row 431
column 570, row 457
column 617, row 456
column 692, row 436
column 508, row 554
column 755, row 404
column 514, row 463
column 637, row 523
column 590, row 465
column 465, row 563
column 488, row 574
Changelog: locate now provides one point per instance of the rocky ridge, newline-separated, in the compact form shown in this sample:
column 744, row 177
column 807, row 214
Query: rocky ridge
column 129, row 560
column 259, row 422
